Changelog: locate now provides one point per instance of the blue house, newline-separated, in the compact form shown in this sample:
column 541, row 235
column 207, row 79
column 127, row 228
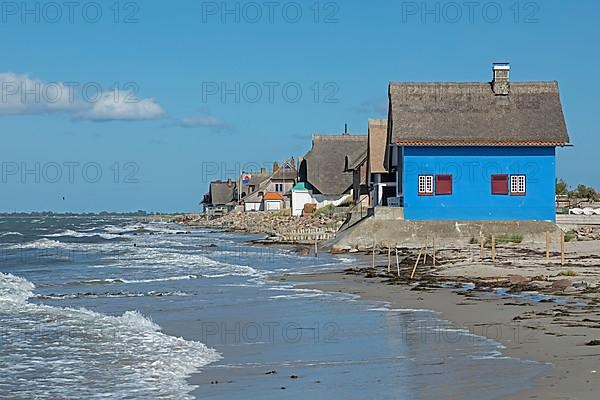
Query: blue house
column 475, row 151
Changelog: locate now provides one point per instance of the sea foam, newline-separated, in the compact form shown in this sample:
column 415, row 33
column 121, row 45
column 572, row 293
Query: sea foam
column 108, row 356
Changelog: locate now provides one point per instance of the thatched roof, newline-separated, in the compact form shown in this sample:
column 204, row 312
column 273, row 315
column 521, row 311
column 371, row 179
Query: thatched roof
column 470, row 113
column 355, row 161
column 221, row 193
column 326, row 161
column 377, row 145
column 285, row 172
column 256, row 180
column 255, row 197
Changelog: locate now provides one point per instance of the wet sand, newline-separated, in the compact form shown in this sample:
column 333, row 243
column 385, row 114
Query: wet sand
column 558, row 332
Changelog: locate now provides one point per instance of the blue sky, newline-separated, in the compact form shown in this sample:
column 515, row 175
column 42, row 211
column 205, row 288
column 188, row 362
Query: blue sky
column 153, row 122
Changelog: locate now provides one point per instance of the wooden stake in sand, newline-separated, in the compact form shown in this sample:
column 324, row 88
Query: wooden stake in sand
column 433, row 250
column 493, row 248
column 547, row 247
column 480, row 245
column 389, row 259
column 425, row 252
column 373, row 260
column 562, row 247
column 397, row 262
column 412, row 275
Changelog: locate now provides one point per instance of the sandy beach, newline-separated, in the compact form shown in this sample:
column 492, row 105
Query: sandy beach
column 534, row 312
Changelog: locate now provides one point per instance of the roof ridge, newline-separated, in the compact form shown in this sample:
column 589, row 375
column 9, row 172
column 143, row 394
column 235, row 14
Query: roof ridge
column 465, row 82
column 340, row 136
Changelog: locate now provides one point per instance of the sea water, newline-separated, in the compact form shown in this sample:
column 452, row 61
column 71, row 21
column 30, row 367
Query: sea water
column 115, row 307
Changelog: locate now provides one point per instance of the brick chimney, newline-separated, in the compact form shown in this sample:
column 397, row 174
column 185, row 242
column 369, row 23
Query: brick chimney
column 501, row 83
column 275, row 166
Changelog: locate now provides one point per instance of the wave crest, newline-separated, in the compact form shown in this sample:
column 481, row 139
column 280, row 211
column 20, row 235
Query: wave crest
column 15, row 289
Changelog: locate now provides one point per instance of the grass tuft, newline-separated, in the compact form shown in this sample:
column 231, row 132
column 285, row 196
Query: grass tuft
column 567, row 273
column 327, row 210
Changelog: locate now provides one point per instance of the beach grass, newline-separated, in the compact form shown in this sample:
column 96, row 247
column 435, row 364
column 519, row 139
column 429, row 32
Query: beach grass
column 327, row 210
column 567, row 273
column 569, row 236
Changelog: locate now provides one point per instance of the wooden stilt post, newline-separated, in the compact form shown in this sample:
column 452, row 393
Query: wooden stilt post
column 373, row 259
column 412, row 275
column 389, row 259
column 397, row 262
column 562, row 247
column 316, row 249
column 425, row 251
column 547, row 247
column 480, row 246
column 433, row 250
column 493, row 248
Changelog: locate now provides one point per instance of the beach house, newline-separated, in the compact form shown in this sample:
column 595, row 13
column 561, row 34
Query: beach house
column 357, row 165
column 220, row 199
column 381, row 182
column 474, row 150
column 327, row 170
column 268, row 191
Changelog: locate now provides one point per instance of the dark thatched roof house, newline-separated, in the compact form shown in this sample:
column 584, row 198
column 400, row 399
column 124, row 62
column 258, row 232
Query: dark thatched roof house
column 330, row 170
column 475, row 150
column 324, row 166
column 221, row 198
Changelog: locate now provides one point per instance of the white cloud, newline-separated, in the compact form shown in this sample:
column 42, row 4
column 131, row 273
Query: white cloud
column 19, row 94
column 22, row 95
column 205, row 121
column 120, row 105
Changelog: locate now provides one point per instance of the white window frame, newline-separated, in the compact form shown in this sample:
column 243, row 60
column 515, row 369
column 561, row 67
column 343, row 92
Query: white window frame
column 425, row 185
column 518, row 185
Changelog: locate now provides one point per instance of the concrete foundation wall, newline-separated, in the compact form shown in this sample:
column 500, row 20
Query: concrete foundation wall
column 395, row 213
column 386, row 232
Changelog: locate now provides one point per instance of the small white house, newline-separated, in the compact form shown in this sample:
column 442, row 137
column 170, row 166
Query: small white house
column 253, row 202
column 301, row 195
column 273, row 201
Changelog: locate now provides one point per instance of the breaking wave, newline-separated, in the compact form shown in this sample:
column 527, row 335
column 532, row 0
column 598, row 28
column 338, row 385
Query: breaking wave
column 10, row 234
column 76, row 234
column 14, row 289
column 38, row 244
column 109, row 356
column 116, row 281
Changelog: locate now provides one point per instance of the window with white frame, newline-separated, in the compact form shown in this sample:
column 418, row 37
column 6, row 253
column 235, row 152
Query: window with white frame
column 425, row 185
column 518, row 185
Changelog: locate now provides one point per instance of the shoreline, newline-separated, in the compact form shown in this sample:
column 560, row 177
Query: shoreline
column 543, row 331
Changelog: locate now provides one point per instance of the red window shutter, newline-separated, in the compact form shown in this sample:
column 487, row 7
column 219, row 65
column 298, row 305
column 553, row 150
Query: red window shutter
column 499, row 184
column 443, row 184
